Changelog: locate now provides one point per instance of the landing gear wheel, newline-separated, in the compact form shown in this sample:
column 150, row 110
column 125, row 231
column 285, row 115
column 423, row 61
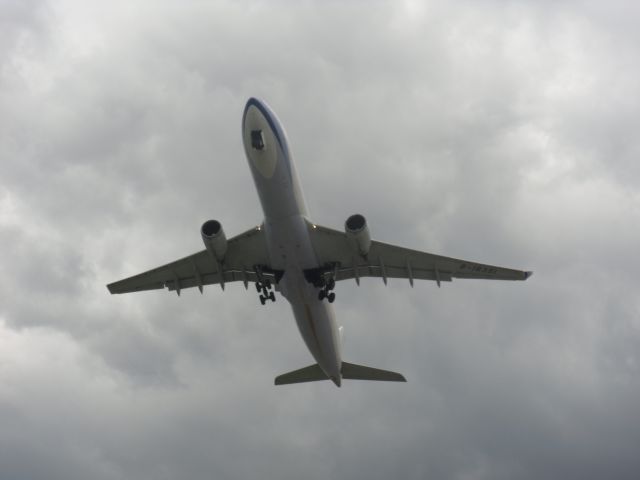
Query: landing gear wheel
column 272, row 297
column 321, row 295
column 331, row 297
column 331, row 284
column 258, row 287
column 262, row 300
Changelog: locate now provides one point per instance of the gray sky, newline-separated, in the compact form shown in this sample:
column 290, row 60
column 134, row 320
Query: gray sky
column 504, row 132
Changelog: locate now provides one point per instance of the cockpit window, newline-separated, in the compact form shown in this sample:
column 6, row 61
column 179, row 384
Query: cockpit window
column 257, row 139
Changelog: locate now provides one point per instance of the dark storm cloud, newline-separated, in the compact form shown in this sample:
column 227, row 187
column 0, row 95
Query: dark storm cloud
column 500, row 132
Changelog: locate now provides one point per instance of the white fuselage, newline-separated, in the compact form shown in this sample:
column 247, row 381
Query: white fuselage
column 287, row 232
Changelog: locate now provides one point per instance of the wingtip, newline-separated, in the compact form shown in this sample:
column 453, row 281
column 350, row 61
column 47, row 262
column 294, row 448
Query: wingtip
column 113, row 288
column 527, row 274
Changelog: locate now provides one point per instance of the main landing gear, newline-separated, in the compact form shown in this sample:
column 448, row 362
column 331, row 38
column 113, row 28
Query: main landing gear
column 323, row 278
column 326, row 291
column 265, row 289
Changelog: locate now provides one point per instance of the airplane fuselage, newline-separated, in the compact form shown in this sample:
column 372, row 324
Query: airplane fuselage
column 301, row 260
column 287, row 228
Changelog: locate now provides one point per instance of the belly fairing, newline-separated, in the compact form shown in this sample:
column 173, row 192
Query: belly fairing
column 317, row 326
column 291, row 250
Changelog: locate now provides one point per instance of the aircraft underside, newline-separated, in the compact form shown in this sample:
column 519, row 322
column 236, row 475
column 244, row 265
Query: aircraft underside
column 301, row 260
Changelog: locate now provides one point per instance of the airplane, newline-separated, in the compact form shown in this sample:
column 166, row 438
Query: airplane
column 300, row 259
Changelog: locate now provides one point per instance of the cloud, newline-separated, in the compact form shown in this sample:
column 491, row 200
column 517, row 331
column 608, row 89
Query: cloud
column 491, row 131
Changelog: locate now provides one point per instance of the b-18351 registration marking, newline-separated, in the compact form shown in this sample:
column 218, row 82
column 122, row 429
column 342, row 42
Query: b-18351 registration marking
column 478, row 268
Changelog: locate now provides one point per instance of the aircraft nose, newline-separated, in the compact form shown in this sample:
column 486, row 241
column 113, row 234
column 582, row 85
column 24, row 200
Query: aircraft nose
column 261, row 129
column 261, row 106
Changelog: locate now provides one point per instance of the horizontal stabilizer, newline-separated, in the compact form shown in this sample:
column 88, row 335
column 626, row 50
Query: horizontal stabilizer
column 311, row 373
column 351, row 371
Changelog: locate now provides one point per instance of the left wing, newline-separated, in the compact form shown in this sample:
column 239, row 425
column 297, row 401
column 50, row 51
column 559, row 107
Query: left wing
column 339, row 260
column 246, row 260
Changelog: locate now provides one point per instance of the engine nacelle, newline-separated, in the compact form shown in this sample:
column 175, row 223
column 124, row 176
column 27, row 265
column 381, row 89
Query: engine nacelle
column 214, row 239
column 358, row 233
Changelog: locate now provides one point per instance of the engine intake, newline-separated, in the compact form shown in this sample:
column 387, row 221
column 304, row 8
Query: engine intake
column 358, row 233
column 214, row 239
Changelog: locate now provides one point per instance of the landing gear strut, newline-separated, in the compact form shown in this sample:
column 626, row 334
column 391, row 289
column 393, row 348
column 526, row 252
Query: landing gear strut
column 323, row 278
column 266, row 289
column 326, row 291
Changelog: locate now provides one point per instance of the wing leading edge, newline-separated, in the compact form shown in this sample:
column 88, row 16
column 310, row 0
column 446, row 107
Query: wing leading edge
column 334, row 250
column 246, row 260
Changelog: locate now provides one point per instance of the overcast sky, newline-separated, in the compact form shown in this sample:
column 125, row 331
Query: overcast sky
column 502, row 132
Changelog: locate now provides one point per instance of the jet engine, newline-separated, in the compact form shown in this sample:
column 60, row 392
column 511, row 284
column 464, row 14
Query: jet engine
column 358, row 233
column 214, row 239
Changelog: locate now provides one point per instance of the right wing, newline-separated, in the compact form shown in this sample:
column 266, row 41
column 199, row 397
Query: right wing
column 246, row 260
column 336, row 254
